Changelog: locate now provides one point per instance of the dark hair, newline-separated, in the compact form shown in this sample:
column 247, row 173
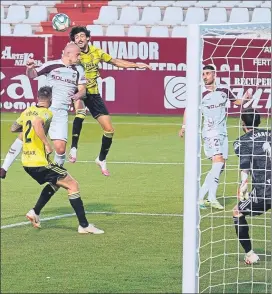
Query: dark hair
column 251, row 118
column 209, row 67
column 45, row 92
column 77, row 30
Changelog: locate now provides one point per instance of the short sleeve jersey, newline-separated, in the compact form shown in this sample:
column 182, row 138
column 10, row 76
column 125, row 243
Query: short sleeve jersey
column 34, row 154
column 64, row 81
column 90, row 61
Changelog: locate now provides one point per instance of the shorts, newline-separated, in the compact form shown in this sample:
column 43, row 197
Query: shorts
column 58, row 129
column 216, row 145
column 96, row 105
column 47, row 174
column 254, row 205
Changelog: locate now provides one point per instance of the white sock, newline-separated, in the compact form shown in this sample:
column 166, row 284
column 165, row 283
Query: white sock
column 59, row 158
column 205, row 187
column 214, row 180
column 14, row 151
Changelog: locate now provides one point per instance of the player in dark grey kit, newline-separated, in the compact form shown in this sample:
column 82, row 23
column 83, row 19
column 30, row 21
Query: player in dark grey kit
column 254, row 151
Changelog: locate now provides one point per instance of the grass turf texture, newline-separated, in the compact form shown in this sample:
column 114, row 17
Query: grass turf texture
column 137, row 253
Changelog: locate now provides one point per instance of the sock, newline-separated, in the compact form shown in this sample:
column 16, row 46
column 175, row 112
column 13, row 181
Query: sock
column 106, row 143
column 78, row 207
column 77, row 126
column 214, row 179
column 59, row 158
column 241, row 228
column 46, row 194
column 14, row 151
column 205, row 187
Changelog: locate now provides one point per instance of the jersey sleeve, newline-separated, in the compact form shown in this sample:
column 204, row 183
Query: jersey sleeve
column 231, row 96
column 243, row 149
column 104, row 56
column 81, row 79
column 44, row 69
column 46, row 116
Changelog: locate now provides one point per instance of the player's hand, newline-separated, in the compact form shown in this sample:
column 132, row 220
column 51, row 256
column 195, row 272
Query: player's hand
column 243, row 191
column 48, row 149
column 182, row 132
column 143, row 66
column 30, row 63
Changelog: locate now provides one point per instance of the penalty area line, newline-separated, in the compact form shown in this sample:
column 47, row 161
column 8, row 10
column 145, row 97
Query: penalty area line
column 21, row 224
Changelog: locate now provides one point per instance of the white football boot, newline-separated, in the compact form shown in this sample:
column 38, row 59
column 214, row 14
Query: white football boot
column 103, row 166
column 34, row 218
column 91, row 229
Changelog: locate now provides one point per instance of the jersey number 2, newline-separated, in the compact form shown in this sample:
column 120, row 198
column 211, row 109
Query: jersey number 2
column 29, row 126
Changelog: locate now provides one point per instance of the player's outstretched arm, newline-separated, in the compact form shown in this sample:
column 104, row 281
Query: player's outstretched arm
column 246, row 98
column 30, row 70
column 128, row 64
column 38, row 127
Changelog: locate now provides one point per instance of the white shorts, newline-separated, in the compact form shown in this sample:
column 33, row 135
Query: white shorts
column 59, row 126
column 216, row 145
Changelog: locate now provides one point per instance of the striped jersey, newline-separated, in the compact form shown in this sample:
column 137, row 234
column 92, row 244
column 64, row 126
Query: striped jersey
column 63, row 80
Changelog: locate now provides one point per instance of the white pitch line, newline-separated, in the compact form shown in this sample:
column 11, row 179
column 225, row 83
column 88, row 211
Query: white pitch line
column 127, row 162
column 93, row 212
column 119, row 123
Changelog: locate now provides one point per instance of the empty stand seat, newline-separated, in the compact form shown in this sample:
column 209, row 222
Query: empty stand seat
column 96, row 30
column 150, row 16
column 107, row 15
column 5, row 29
column 184, row 3
column 172, row 16
column 261, row 15
column 140, row 3
column 36, row 14
column 115, row 30
column 16, row 14
column 159, row 31
column 239, row 15
column 194, row 15
column 217, row 15
column 22, row 30
column 206, row 3
column 162, row 3
column 129, row 15
column 137, row 31
column 180, row 31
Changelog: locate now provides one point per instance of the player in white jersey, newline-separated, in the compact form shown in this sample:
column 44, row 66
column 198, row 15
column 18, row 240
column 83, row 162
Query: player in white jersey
column 214, row 131
column 65, row 77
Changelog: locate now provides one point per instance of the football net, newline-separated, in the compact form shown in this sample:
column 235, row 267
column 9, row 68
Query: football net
column 242, row 56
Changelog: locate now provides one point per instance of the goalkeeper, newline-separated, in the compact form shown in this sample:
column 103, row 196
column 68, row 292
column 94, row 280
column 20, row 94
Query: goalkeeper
column 254, row 151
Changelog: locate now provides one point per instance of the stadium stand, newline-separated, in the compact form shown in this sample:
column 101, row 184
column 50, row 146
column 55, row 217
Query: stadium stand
column 129, row 18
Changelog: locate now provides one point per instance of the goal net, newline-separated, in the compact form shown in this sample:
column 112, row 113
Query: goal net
column 242, row 56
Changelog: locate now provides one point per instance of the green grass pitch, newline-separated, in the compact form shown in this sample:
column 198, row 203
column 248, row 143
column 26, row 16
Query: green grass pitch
column 140, row 207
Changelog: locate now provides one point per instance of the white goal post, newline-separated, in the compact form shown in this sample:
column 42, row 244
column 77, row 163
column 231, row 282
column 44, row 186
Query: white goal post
column 192, row 160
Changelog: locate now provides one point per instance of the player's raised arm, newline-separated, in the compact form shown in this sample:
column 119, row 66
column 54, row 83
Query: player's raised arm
column 30, row 69
column 246, row 98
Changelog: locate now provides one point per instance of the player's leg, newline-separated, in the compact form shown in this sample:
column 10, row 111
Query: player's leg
column 99, row 111
column 77, row 126
column 71, row 185
column 240, row 211
column 58, row 133
column 13, row 152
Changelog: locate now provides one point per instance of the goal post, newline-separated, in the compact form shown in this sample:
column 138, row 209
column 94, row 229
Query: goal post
column 205, row 233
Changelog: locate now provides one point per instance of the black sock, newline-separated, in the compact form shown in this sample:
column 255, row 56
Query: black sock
column 45, row 196
column 77, row 126
column 241, row 228
column 105, row 147
column 78, row 207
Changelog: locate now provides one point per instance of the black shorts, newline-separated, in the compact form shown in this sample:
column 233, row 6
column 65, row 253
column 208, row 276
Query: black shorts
column 46, row 174
column 96, row 105
column 254, row 205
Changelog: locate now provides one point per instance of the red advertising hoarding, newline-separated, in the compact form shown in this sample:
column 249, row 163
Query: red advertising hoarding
column 160, row 91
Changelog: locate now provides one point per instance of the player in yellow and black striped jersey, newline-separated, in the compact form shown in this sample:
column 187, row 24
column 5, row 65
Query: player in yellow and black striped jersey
column 34, row 123
column 91, row 57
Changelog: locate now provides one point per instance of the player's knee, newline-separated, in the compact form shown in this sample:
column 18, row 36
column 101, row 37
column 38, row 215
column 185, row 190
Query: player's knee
column 60, row 147
column 218, row 158
column 109, row 132
column 74, row 185
column 81, row 113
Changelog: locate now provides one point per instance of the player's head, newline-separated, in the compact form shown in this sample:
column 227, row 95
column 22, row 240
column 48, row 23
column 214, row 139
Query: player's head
column 209, row 74
column 71, row 54
column 81, row 36
column 45, row 96
column 250, row 119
